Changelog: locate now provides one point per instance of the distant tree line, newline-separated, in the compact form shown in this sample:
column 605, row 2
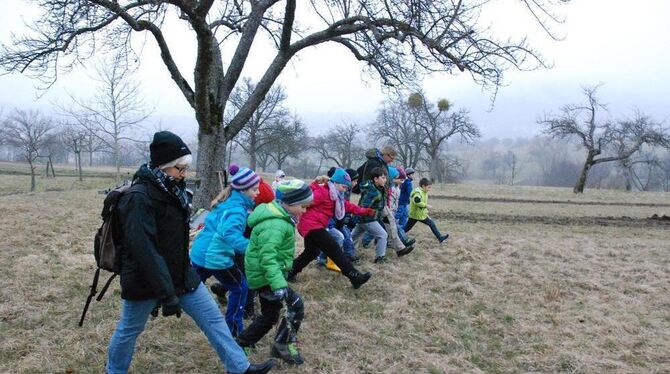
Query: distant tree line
column 434, row 137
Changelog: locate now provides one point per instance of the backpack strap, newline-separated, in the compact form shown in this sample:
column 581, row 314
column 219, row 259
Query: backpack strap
column 105, row 287
column 94, row 290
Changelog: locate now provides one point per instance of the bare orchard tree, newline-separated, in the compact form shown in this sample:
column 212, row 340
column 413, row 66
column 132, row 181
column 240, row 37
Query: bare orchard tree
column 29, row 131
column 438, row 125
column 74, row 138
column 394, row 126
column 290, row 140
column 115, row 113
column 256, row 134
column 340, row 144
column 603, row 140
column 397, row 42
column 512, row 163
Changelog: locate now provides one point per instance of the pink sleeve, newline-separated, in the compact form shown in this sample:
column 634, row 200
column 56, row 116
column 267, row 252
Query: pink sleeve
column 354, row 209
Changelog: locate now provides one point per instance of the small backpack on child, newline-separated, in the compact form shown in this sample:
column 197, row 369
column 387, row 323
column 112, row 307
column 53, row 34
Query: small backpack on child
column 107, row 246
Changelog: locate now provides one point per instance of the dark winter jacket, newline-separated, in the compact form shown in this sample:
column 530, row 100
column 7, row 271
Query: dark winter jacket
column 374, row 159
column 155, row 262
column 405, row 191
column 374, row 197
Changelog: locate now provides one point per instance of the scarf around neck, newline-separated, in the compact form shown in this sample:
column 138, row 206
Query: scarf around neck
column 169, row 185
column 338, row 198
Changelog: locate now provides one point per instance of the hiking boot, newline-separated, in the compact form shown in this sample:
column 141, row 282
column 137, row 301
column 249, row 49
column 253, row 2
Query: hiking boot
column 381, row 260
column 288, row 353
column 405, row 251
column 409, row 242
column 357, row 278
column 261, row 368
column 220, row 291
column 444, row 238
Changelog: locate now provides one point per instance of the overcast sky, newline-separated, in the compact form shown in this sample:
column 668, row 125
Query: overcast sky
column 622, row 44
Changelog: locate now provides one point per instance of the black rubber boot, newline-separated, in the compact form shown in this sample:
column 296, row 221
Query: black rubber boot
column 261, row 368
column 287, row 352
column 357, row 278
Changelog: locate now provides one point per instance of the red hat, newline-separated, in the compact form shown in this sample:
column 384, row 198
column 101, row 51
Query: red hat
column 265, row 193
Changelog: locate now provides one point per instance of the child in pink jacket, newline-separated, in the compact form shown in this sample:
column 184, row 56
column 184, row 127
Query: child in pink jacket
column 328, row 202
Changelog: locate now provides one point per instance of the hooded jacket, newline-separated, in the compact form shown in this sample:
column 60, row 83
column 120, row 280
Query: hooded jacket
column 418, row 203
column 223, row 235
column 154, row 225
column 269, row 256
column 322, row 209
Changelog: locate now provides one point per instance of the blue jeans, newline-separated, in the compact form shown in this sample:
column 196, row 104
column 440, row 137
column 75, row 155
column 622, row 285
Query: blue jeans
column 233, row 280
column 348, row 244
column 402, row 214
column 198, row 304
column 339, row 238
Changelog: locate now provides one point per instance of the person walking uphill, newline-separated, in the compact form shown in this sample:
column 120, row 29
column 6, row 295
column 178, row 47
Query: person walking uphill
column 153, row 220
column 214, row 249
column 328, row 202
column 268, row 259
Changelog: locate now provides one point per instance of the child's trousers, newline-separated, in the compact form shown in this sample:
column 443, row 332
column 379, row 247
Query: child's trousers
column 270, row 311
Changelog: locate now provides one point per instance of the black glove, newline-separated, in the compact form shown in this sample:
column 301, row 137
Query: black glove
column 170, row 306
column 280, row 293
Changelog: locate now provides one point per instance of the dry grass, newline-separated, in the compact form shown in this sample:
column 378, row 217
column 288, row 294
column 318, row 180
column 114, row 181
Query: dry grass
column 504, row 297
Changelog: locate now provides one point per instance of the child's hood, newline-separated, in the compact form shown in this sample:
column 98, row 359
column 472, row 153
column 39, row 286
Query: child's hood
column 268, row 211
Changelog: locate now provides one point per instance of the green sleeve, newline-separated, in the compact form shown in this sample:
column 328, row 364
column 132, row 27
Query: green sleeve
column 270, row 257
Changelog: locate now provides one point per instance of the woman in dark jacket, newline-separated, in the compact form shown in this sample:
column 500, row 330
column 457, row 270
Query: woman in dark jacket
column 155, row 269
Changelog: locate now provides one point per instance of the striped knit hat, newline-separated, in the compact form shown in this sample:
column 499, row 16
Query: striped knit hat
column 295, row 192
column 243, row 178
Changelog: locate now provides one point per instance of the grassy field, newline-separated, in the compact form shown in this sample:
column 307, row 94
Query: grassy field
column 573, row 284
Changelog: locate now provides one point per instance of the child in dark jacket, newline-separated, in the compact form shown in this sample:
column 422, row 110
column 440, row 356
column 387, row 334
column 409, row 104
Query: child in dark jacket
column 373, row 197
column 402, row 214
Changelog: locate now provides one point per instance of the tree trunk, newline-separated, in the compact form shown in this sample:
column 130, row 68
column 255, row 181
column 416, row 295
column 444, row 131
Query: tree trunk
column 581, row 182
column 78, row 160
column 32, row 176
column 434, row 167
column 252, row 153
column 117, row 161
column 211, row 158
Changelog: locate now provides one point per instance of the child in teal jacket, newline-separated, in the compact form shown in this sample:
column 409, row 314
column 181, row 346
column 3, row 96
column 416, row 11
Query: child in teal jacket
column 214, row 248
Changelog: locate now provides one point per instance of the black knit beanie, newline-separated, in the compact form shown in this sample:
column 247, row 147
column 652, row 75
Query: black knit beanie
column 167, row 147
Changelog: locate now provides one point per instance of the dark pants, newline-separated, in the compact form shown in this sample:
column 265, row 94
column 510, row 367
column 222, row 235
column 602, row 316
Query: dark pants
column 270, row 311
column 428, row 222
column 321, row 240
column 250, row 307
column 233, row 280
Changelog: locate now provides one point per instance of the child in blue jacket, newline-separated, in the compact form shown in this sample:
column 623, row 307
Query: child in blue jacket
column 214, row 249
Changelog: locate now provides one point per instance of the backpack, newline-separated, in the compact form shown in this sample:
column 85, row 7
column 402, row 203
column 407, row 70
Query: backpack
column 107, row 246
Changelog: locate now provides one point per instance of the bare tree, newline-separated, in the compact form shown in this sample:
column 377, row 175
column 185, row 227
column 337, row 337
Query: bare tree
column 603, row 140
column 74, row 138
column 115, row 112
column 512, row 163
column 255, row 135
column 290, row 140
column 438, row 125
column 340, row 145
column 28, row 131
column 396, row 42
column 394, row 126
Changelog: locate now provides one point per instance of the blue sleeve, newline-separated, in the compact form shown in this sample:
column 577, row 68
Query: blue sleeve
column 231, row 227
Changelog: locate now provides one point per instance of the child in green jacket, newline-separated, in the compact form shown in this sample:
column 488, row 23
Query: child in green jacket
column 418, row 209
column 268, row 259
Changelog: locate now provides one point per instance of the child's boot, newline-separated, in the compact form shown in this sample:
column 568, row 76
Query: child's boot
column 357, row 278
column 287, row 352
